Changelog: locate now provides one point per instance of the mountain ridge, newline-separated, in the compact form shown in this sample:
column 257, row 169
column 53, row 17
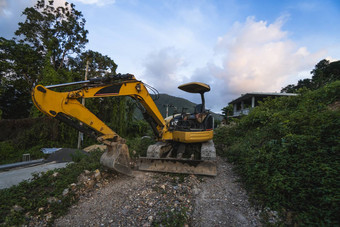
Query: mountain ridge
column 176, row 105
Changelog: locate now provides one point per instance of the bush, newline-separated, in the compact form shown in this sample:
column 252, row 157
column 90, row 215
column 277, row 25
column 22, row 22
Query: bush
column 287, row 153
column 32, row 195
column 30, row 135
column 6, row 152
column 139, row 145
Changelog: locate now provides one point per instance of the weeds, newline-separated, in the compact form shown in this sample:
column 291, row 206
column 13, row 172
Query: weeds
column 43, row 195
column 138, row 146
column 174, row 217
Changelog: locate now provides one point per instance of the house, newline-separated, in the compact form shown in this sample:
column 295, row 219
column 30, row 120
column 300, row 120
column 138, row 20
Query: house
column 243, row 104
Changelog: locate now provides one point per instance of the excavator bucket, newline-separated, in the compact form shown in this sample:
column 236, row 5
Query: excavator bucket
column 117, row 157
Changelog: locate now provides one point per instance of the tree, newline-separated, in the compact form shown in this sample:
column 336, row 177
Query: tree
column 19, row 61
column 99, row 65
column 46, row 40
column 15, row 101
column 20, row 67
column 324, row 73
column 117, row 112
column 227, row 111
column 56, row 33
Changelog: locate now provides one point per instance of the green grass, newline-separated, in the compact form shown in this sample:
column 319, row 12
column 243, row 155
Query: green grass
column 34, row 194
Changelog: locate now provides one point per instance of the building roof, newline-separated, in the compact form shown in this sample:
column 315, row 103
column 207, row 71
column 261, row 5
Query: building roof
column 259, row 94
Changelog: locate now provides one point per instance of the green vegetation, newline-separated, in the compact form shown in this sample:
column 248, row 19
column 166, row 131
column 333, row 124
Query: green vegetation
column 287, row 154
column 44, row 194
column 138, row 146
column 30, row 135
column 175, row 217
column 286, row 150
column 49, row 48
column 323, row 73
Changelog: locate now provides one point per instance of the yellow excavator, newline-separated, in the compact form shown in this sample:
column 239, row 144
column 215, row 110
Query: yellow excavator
column 184, row 140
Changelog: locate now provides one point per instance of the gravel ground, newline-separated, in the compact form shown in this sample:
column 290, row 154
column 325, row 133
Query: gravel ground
column 221, row 201
column 151, row 198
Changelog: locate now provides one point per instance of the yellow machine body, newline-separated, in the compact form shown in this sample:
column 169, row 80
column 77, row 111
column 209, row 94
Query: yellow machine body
column 66, row 106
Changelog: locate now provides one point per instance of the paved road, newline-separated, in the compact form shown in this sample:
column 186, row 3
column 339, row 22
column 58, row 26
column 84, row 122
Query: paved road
column 15, row 176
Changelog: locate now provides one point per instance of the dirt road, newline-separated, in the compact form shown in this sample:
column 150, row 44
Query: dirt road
column 152, row 198
column 221, row 201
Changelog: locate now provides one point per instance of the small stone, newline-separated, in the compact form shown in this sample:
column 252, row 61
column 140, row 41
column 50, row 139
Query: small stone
column 55, row 174
column 40, row 209
column 52, row 200
column 28, row 215
column 104, row 174
column 90, row 183
column 163, row 186
column 97, row 174
column 17, row 208
column 48, row 216
column 65, row 192
column 181, row 198
column 196, row 191
column 87, row 172
column 110, row 221
column 150, row 218
column 73, row 186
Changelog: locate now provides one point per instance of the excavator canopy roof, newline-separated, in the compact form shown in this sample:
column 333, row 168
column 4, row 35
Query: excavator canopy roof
column 195, row 87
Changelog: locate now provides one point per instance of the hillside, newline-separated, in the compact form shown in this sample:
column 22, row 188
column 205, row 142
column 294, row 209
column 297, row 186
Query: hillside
column 287, row 154
column 179, row 105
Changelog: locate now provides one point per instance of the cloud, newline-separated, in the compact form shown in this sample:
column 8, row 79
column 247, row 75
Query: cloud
column 253, row 56
column 3, row 8
column 257, row 56
column 11, row 15
column 96, row 2
column 58, row 3
column 162, row 69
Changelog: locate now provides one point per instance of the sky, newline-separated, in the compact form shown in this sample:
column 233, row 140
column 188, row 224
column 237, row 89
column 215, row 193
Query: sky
column 235, row 46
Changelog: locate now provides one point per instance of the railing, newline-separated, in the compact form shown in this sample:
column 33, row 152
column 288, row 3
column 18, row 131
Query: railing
column 241, row 112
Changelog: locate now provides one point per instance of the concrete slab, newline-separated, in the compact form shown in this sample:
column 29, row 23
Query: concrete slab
column 15, row 176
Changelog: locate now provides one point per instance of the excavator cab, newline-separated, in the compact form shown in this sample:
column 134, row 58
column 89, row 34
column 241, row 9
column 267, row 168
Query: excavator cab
column 201, row 119
column 191, row 150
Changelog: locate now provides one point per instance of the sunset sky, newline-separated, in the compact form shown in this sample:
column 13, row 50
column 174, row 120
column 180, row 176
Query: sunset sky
column 235, row 46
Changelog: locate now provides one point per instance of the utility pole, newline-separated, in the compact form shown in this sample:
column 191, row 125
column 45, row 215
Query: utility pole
column 81, row 135
column 167, row 109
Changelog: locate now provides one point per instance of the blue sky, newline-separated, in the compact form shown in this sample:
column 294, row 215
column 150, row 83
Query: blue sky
column 236, row 46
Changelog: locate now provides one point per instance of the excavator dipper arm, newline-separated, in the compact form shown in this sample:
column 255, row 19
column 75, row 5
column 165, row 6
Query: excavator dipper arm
column 65, row 105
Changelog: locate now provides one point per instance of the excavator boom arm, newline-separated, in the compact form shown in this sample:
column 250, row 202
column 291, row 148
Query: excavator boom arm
column 59, row 104
column 187, row 136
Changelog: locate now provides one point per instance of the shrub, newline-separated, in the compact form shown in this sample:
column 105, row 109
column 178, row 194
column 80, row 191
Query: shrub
column 139, row 145
column 287, row 153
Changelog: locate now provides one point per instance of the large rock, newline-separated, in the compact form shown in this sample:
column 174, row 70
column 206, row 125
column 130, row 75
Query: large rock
column 95, row 147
